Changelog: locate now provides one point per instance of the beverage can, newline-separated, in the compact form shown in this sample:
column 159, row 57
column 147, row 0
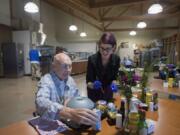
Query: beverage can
column 118, row 120
column 98, row 124
column 151, row 106
column 111, row 106
column 148, row 97
column 170, row 82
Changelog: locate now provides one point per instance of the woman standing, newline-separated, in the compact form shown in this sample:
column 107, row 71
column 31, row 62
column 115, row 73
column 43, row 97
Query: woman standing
column 102, row 70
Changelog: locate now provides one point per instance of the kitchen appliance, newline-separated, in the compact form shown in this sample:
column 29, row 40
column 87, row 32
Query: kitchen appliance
column 13, row 59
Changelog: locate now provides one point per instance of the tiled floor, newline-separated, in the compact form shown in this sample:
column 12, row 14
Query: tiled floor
column 17, row 98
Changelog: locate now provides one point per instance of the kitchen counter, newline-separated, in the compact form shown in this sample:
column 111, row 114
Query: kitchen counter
column 79, row 66
column 80, row 60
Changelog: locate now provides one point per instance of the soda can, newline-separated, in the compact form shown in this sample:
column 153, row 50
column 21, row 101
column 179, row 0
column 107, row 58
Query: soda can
column 151, row 106
column 98, row 124
column 111, row 106
column 118, row 120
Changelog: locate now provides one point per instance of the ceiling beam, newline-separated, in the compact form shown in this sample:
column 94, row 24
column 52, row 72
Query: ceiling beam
column 141, row 17
column 106, row 11
column 81, row 3
column 91, row 2
column 170, row 1
column 100, row 12
column 145, row 29
column 107, row 3
column 64, row 9
column 120, row 14
column 172, row 8
column 74, row 6
column 77, row 6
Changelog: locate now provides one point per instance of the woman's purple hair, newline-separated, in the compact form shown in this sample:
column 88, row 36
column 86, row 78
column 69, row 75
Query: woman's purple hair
column 108, row 38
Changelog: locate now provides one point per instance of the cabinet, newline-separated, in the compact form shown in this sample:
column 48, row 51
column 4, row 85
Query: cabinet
column 79, row 66
column 13, row 59
column 24, row 38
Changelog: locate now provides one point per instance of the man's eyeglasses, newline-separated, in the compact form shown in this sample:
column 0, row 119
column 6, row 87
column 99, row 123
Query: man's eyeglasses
column 106, row 49
column 65, row 66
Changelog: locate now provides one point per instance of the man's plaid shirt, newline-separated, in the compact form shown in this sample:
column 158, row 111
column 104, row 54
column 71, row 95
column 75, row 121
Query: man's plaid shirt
column 52, row 92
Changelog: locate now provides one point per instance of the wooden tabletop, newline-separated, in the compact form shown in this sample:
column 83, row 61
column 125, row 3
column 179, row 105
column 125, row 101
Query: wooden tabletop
column 167, row 123
column 157, row 84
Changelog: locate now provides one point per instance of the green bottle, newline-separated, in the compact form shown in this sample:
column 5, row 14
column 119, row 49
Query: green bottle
column 143, row 127
column 126, row 126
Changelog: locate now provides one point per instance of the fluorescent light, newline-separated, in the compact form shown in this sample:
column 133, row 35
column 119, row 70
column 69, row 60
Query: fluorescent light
column 31, row 7
column 141, row 25
column 73, row 28
column 132, row 33
column 155, row 9
column 83, row 34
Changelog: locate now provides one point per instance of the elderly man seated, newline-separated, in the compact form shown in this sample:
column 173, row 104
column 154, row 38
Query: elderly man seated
column 55, row 89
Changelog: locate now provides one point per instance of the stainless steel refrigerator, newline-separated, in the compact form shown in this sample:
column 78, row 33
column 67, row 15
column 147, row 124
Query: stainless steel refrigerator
column 13, row 59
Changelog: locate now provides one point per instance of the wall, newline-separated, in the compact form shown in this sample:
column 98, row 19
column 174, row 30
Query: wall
column 80, row 47
column 5, row 30
column 142, row 38
column 5, row 33
column 56, row 24
column 139, row 39
column 26, row 21
column 24, row 37
column 22, row 20
column 171, row 22
column 5, row 36
column 48, row 19
column 5, row 12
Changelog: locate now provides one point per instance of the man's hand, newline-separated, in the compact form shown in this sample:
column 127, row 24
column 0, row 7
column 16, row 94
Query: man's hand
column 80, row 116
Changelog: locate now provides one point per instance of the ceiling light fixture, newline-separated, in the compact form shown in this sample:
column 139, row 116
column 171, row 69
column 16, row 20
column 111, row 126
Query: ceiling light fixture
column 73, row 28
column 141, row 25
column 31, row 7
column 132, row 33
column 155, row 9
column 83, row 34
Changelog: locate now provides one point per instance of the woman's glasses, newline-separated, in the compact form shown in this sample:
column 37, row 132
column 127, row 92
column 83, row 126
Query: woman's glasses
column 108, row 49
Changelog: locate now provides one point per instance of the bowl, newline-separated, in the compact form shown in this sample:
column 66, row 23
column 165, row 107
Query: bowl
column 77, row 103
column 81, row 102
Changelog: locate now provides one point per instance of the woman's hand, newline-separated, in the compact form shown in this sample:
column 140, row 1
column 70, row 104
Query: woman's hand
column 90, row 85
